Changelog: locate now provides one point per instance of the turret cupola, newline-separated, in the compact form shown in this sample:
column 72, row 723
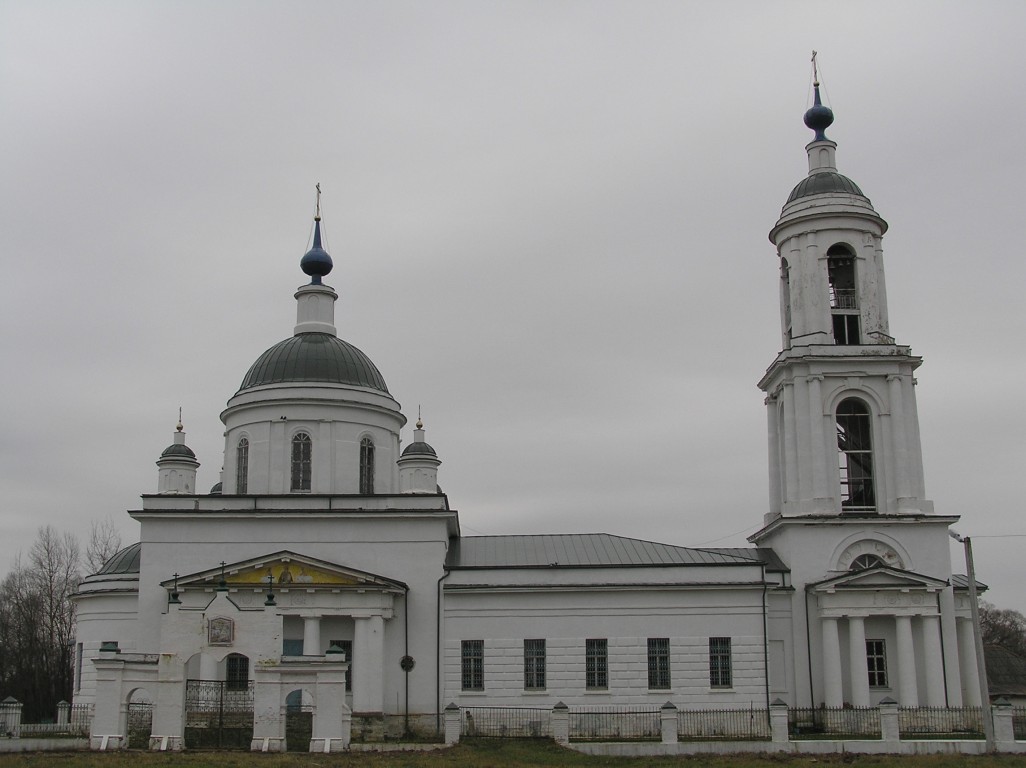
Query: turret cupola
column 418, row 466
column 177, row 465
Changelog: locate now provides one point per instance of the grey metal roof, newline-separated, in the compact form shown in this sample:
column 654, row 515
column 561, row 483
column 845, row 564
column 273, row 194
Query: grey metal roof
column 961, row 581
column 314, row 357
column 824, row 182
column 760, row 554
column 125, row 561
column 584, row 550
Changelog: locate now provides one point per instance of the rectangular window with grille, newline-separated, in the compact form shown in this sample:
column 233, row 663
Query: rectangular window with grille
column 658, row 663
column 720, row 675
column 347, row 649
column 596, row 664
column 534, row 665
column 876, row 662
column 472, row 665
column 237, row 672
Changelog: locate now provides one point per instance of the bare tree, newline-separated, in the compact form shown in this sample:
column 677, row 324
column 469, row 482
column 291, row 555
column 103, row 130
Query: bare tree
column 1004, row 627
column 104, row 543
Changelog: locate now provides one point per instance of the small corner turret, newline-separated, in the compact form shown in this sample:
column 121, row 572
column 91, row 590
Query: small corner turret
column 418, row 465
column 177, row 465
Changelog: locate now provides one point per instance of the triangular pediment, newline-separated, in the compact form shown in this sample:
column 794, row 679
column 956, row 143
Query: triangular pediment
column 881, row 577
column 285, row 570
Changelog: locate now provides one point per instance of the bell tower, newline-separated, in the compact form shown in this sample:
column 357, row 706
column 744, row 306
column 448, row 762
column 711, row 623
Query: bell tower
column 840, row 396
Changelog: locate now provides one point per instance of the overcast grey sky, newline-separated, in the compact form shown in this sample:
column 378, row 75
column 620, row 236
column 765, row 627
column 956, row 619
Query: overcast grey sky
column 549, row 225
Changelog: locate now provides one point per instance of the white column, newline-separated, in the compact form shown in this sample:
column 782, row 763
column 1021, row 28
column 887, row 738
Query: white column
column 312, row 636
column 772, row 417
column 369, row 660
column 967, row 662
column 820, row 487
column 833, row 695
column 790, row 454
column 857, row 661
column 932, row 661
column 900, row 464
column 908, row 692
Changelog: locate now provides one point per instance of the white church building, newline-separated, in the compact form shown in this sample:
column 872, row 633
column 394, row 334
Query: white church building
column 327, row 571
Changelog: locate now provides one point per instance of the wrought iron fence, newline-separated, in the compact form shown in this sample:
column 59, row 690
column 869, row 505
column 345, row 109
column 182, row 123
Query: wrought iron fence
column 833, row 722
column 1019, row 723
column 75, row 722
column 140, row 725
column 506, row 722
column 940, row 722
column 614, row 723
column 727, row 724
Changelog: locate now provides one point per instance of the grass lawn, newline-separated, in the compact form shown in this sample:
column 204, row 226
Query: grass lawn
column 481, row 753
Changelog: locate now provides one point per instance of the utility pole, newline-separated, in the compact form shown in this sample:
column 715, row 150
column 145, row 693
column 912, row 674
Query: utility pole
column 981, row 662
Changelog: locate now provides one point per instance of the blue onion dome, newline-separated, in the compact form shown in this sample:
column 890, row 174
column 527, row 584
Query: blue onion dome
column 419, row 449
column 819, row 117
column 215, row 489
column 316, row 262
column 178, row 449
column 125, row 561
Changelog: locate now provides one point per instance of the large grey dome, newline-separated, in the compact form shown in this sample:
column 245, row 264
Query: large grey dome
column 314, row 357
column 125, row 561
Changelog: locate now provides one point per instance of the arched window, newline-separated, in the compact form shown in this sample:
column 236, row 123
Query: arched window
column 844, row 300
column 864, row 562
column 242, row 466
column 855, row 456
column 366, row 466
column 302, row 449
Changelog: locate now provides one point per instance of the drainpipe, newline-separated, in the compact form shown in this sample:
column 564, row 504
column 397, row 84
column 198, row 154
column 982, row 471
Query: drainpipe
column 406, row 655
column 438, row 653
column 765, row 639
column 808, row 649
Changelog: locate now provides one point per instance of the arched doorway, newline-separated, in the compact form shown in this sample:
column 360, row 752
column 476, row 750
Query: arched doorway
column 140, row 719
column 299, row 714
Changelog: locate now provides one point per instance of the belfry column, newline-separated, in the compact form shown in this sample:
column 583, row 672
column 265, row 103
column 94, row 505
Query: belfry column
column 774, row 457
column 857, row 661
column 908, row 693
column 820, row 491
column 833, row 695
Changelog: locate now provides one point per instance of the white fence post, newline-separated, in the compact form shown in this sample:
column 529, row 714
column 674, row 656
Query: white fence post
column 452, row 724
column 10, row 717
column 668, row 723
column 1004, row 730
column 561, row 723
column 63, row 710
column 889, row 730
column 778, row 722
